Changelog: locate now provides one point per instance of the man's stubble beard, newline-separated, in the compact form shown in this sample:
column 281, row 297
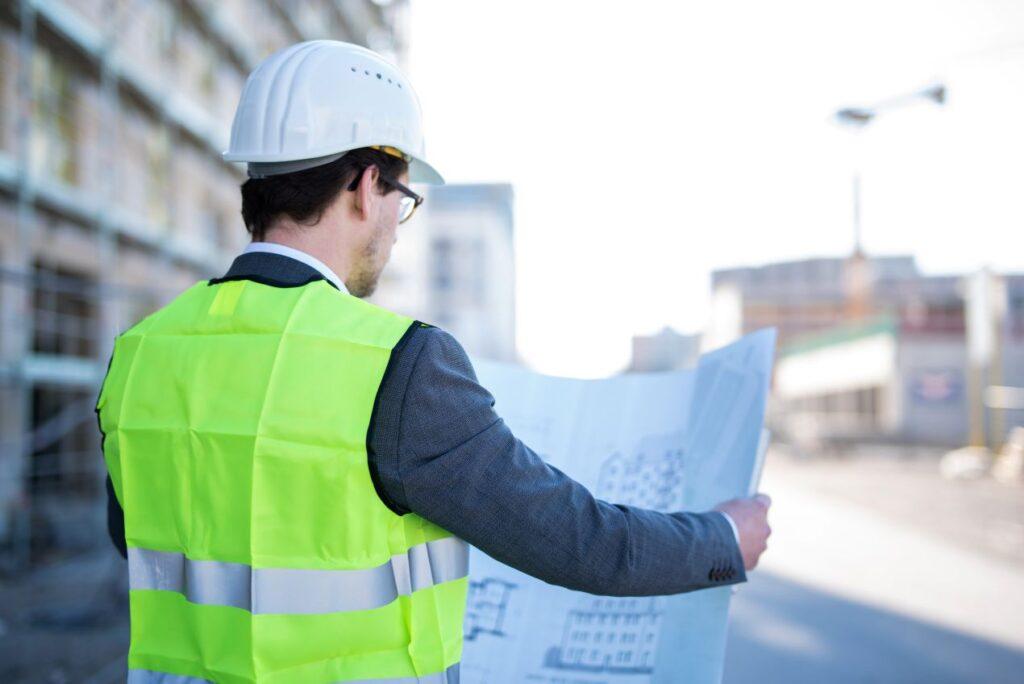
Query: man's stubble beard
column 367, row 269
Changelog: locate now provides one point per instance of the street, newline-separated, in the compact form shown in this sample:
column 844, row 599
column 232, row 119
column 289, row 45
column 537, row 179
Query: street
column 878, row 570
column 783, row 631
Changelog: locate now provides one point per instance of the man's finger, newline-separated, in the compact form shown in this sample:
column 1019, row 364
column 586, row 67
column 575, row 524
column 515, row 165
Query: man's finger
column 763, row 499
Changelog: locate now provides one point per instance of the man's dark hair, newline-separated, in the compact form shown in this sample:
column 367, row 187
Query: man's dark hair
column 303, row 196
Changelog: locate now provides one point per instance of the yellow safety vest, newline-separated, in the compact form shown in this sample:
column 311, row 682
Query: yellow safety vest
column 235, row 427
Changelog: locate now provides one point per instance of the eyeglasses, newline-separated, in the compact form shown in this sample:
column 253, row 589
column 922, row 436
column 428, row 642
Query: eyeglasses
column 406, row 206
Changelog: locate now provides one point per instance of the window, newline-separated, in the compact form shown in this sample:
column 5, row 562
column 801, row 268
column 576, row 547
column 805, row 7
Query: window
column 459, row 270
column 54, row 131
column 157, row 146
column 166, row 30
column 443, row 263
column 208, row 73
column 65, row 314
column 64, row 459
column 63, row 476
column 212, row 228
column 8, row 93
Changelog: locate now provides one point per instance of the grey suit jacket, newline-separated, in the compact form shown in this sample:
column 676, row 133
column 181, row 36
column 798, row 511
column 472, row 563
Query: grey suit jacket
column 437, row 447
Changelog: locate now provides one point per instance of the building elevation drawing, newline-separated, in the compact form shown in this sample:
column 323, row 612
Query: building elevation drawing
column 682, row 440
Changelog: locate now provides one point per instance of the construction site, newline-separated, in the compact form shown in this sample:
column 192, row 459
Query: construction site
column 896, row 398
column 113, row 198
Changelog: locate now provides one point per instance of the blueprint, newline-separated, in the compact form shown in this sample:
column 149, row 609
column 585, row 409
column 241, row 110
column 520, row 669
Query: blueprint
column 682, row 440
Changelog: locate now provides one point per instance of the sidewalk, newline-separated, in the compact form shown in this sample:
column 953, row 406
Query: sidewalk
column 984, row 516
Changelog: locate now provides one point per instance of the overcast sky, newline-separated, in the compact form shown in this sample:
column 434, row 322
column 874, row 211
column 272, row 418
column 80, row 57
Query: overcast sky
column 651, row 142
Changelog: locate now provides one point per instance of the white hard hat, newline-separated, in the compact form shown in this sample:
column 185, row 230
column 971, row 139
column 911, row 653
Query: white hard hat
column 311, row 102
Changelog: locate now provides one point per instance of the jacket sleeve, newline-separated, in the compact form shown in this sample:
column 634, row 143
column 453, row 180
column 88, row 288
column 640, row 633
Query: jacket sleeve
column 459, row 466
column 115, row 520
column 115, row 514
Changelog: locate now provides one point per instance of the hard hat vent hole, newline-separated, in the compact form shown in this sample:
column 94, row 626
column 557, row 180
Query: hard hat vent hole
column 379, row 76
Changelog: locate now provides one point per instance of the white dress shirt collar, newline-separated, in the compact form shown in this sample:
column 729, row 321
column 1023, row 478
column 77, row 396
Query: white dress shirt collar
column 299, row 255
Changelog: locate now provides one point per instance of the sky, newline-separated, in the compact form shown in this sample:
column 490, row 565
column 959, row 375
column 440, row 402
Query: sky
column 650, row 143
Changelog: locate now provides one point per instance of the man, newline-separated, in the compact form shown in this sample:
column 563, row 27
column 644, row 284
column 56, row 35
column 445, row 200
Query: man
column 295, row 473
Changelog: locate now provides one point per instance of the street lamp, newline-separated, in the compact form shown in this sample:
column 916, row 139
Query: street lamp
column 857, row 274
column 862, row 116
column 859, row 117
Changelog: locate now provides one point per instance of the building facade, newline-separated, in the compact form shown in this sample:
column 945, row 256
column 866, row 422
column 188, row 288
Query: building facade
column 113, row 198
column 882, row 356
column 797, row 297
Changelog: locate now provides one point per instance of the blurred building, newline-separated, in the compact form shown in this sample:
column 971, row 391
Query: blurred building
column 454, row 267
column 113, row 198
column 664, row 350
column 881, row 355
column 799, row 297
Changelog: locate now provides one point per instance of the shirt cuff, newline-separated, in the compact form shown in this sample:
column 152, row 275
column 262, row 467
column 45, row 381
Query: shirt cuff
column 735, row 532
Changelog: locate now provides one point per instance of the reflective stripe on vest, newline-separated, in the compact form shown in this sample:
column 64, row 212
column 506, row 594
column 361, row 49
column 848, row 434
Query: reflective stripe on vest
column 236, row 423
column 449, row 676
column 295, row 591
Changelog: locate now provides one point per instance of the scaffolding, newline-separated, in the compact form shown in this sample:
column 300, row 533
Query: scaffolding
column 113, row 198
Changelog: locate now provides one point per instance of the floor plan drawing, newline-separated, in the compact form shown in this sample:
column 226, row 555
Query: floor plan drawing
column 486, row 605
column 676, row 441
column 649, row 477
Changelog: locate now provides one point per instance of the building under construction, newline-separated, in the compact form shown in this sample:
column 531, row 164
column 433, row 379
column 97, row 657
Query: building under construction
column 113, row 198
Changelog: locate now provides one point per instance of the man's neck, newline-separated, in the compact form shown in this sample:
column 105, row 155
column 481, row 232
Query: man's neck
column 325, row 246
column 299, row 255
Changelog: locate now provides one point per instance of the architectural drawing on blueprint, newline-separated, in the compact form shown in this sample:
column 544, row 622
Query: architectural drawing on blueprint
column 650, row 477
column 487, row 606
column 620, row 635
column 679, row 441
column 613, row 635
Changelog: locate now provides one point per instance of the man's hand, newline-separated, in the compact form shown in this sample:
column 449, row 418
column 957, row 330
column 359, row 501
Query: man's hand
column 751, row 518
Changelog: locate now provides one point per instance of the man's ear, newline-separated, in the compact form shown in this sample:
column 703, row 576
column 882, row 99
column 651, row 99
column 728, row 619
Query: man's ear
column 365, row 198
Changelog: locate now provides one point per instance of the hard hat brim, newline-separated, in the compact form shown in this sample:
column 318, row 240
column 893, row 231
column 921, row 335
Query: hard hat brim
column 419, row 170
column 422, row 172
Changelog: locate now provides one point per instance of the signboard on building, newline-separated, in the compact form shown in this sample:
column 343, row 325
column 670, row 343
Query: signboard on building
column 936, row 386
